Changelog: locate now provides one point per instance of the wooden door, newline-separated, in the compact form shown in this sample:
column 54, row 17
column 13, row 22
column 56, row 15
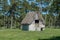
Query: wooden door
column 25, row 27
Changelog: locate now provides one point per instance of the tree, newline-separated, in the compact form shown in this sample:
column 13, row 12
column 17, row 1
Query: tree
column 15, row 9
column 55, row 10
column 12, row 11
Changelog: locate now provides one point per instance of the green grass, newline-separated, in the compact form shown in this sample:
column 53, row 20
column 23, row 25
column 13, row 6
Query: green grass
column 16, row 34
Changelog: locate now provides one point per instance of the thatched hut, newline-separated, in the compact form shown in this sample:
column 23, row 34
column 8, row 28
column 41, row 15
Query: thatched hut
column 33, row 22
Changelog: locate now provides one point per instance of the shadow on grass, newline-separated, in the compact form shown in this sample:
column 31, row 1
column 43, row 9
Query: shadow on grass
column 53, row 38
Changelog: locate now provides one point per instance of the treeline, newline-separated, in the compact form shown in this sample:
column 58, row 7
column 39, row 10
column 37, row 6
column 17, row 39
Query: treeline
column 12, row 15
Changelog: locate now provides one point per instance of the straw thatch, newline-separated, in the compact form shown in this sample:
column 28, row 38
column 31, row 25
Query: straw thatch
column 30, row 17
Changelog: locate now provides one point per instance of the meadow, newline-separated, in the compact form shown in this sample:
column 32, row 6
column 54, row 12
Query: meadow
column 17, row 34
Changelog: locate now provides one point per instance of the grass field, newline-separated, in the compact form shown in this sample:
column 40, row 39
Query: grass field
column 16, row 34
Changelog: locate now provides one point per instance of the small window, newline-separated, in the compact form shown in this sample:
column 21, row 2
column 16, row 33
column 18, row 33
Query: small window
column 36, row 21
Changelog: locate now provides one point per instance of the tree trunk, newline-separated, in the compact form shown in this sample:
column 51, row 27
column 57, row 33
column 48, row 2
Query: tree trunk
column 11, row 22
column 15, row 24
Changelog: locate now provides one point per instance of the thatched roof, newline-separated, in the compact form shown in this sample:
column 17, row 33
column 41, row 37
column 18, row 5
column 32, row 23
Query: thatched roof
column 30, row 17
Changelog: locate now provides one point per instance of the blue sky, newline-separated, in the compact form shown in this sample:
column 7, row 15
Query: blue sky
column 8, row 2
column 44, row 4
column 38, row 4
column 30, row 3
